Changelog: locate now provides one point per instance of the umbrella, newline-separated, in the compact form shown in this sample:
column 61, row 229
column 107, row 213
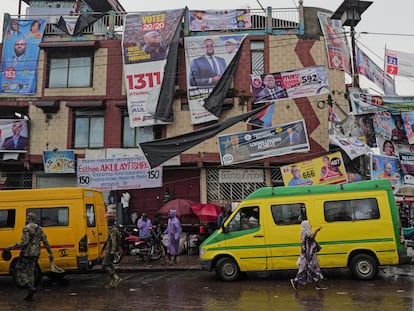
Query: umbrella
column 182, row 206
column 206, row 212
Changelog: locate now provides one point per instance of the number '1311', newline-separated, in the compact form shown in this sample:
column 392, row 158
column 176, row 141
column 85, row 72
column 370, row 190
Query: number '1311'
column 142, row 80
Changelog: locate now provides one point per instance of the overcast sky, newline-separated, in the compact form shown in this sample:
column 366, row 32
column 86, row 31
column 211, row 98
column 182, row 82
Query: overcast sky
column 385, row 22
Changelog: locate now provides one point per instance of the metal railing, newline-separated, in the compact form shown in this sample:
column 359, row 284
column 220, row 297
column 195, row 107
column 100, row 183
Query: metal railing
column 112, row 24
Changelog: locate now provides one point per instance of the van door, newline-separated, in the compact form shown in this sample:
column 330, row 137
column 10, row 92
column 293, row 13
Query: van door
column 245, row 239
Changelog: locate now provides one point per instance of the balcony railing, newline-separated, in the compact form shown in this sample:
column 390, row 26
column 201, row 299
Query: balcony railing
column 270, row 20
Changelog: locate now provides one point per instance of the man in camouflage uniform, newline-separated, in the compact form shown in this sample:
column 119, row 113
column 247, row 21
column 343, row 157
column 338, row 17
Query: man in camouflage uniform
column 30, row 251
column 110, row 249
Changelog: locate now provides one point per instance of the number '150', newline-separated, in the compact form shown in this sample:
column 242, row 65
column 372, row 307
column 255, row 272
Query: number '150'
column 142, row 80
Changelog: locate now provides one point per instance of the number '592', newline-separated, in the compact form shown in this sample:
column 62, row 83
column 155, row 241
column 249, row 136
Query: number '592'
column 143, row 80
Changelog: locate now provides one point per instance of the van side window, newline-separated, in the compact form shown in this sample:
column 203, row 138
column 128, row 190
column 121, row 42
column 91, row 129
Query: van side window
column 7, row 218
column 51, row 216
column 288, row 214
column 351, row 210
column 246, row 218
column 90, row 215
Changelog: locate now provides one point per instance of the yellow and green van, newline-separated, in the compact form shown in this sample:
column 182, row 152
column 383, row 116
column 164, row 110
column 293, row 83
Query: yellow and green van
column 361, row 230
column 74, row 220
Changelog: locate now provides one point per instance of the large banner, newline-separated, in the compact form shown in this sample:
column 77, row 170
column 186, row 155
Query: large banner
column 219, row 19
column 368, row 103
column 290, row 84
column 328, row 169
column 374, row 73
column 20, row 55
column 337, row 46
column 207, row 58
column 14, row 135
column 264, row 143
column 399, row 63
column 118, row 174
column 146, row 41
column 59, row 161
column 383, row 167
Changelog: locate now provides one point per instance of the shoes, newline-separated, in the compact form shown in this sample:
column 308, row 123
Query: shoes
column 30, row 293
column 294, row 284
column 116, row 281
column 321, row 287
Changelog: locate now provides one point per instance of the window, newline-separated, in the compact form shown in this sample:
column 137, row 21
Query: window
column 132, row 136
column 51, row 217
column 288, row 214
column 257, row 57
column 89, row 129
column 7, row 218
column 351, row 210
column 245, row 219
column 90, row 215
column 70, row 67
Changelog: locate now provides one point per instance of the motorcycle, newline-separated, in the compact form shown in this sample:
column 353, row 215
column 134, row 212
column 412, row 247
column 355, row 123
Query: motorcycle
column 132, row 244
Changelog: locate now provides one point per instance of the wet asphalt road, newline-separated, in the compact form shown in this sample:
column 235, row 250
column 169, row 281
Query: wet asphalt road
column 198, row 290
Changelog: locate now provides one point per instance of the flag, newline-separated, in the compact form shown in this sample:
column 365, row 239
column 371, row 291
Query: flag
column 159, row 151
column 399, row 63
column 74, row 25
column 213, row 102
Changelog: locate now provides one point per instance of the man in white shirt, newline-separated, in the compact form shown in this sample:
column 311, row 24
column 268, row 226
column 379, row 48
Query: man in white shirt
column 125, row 197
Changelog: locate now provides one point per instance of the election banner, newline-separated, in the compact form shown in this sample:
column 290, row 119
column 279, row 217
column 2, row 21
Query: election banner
column 351, row 145
column 408, row 119
column 263, row 143
column 384, row 167
column 368, row 103
column 145, row 45
column 337, row 46
column 399, row 63
column 59, row 161
column 219, row 19
column 374, row 73
column 20, row 56
column 118, row 174
column 14, row 135
column 207, row 61
column 328, row 169
column 407, row 167
column 382, row 124
column 290, row 84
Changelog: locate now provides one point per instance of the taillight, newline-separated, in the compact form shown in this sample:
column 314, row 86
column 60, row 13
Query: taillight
column 83, row 244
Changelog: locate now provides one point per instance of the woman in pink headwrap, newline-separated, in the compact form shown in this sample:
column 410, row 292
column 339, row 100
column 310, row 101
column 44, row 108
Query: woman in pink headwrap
column 173, row 233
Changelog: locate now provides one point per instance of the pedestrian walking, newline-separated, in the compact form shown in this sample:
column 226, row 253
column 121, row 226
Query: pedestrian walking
column 110, row 248
column 32, row 235
column 309, row 270
column 173, row 236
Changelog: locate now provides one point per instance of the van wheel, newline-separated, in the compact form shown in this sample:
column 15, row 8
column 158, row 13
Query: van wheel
column 364, row 267
column 17, row 280
column 227, row 269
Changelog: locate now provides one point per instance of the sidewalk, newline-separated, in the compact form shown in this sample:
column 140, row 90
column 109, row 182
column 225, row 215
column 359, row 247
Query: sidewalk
column 184, row 262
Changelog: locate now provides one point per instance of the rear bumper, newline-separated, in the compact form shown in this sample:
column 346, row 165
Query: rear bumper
column 206, row 264
column 403, row 257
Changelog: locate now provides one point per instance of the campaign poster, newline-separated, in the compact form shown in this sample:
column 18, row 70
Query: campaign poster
column 407, row 167
column 207, row 58
column 382, row 124
column 353, row 147
column 399, row 63
column 145, row 46
column 204, row 20
column 363, row 103
column 337, row 47
column 59, row 161
column 290, row 84
column 14, row 135
column 408, row 120
column 263, row 143
column 328, row 169
column 20, row 55
column 118, row 174
column 384, row 167
column 374, row 73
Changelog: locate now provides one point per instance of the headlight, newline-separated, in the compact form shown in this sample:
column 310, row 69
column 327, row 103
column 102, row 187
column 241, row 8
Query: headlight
column 202, row 251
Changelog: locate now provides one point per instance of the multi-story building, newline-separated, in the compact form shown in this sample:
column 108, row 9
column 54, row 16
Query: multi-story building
column 80, row 104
